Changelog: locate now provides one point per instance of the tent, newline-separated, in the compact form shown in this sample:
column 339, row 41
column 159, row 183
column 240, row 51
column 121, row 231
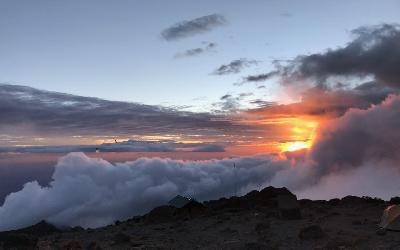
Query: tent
column 391, row 218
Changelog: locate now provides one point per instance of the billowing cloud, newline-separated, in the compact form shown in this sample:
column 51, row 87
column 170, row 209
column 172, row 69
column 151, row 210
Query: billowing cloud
column 359, row 137
column 193, row 27
column 100, row 192
column 375, row 52
column 234, row 66
column 197, row 51
column 331, row 82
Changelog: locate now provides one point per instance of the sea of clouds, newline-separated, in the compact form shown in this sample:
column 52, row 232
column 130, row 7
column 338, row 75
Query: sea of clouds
column 355, row 154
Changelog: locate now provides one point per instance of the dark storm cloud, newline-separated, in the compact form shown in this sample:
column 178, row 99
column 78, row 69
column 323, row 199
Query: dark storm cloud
column 193, row 27
column 197, row 51
column 234, row 67
column 53, row 113
column 324, row 80
column 375, row 52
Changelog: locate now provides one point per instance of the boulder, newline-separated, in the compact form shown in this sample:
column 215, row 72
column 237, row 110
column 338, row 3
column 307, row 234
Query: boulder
column 289, row 207
column 160, row 214
column 394, row 200
column 121, row 238
column 313, row 232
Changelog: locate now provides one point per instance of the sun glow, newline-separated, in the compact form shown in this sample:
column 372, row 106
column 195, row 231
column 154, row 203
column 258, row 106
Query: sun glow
column 294, row 146
column 302, row 134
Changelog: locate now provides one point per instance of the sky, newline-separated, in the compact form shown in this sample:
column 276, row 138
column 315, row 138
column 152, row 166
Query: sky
column 116, row 51
column 199, row 98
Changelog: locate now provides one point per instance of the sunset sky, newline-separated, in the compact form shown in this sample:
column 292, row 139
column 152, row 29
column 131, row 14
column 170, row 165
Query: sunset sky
column 192, row 67
column 310, row 85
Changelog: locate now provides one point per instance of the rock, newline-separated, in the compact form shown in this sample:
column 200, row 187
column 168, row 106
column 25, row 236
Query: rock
column 229, row 230
column 394, row 200
column 72, row 245
column 161, row 214
column 334, row 202
column 94, row 246
column 289, row 208
column 18, row 241
column 255, row 246
column 44, row 245
column 121, row 238
column 312, row 232
column 352, row 200
column 190, row 210
column 262, row 227
column 381, row 231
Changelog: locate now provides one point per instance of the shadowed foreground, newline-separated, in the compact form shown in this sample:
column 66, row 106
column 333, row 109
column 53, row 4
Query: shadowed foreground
column 269, row 219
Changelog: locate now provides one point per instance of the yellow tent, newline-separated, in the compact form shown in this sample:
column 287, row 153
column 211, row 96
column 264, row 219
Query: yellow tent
column 391, row 218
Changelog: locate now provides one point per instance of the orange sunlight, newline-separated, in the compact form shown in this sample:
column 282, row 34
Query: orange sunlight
column 302, row 135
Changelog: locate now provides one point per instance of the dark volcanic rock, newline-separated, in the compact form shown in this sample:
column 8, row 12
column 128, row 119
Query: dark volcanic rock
column 18, row 241
column 313, row 232
column 262, row 227
column 93, row 246
column 289, row 207
column 161, row 214
column 190, row 210
column 121, row 238
column 26, row 238
column 255, row 246
column 72, row 245
column 394, row 200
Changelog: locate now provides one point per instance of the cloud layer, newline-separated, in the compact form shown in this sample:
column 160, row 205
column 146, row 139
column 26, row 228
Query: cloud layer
column 355, row 154
column 25, row 110
column 193, row 27
column 125, row 146
column 99, row 192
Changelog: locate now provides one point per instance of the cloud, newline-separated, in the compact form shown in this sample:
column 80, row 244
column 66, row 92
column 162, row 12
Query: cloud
column 375, row 51
column 125, row 146
column 330, row 83
column 29, row 111
column 225, row 97
column 193, row 27
column 209, row 148
column 234, row 66
column 319, row 101
column 355, row 154
column 359, row 137
column 196, row 51
column 260, row 77
column 100, row 192
column 229, row 103
column 263, row 104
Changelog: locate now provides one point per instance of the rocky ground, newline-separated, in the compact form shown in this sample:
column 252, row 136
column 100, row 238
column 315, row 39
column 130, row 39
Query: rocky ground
column 258, row 220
